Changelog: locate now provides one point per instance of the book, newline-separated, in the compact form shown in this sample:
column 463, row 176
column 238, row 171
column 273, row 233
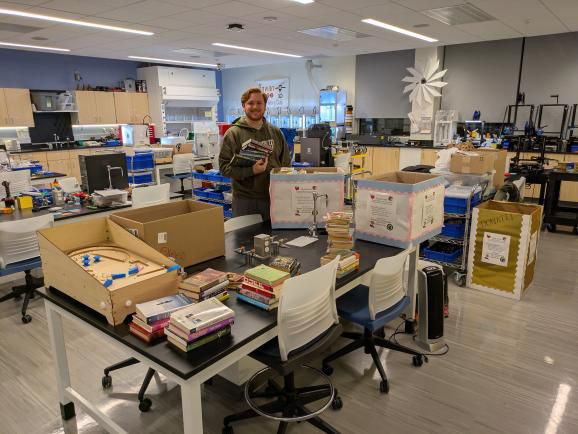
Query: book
column 285, row 263
column 242, row 161
column 183, row 345
column 206, row 292
column 258, row 290
column 203, row 314
column 264, row 146
column 257, row 303
column 151, row 328
column 256, row 296
column 161, row 308
column 267, row 275
column 144, row 335
column 204, row 280
column 175, row 331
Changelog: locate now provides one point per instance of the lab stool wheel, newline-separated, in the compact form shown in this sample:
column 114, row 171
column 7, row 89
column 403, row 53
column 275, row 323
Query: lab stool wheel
column 327, row 370
column 459, row 278
column 145, row 405
column 417, row 361
column 384, row 386
column 26, row 319
column 337, row 403
column 106, row 382
column 551, row 227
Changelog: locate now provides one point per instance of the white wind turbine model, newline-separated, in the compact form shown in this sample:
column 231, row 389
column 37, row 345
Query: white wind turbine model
column 424, row 85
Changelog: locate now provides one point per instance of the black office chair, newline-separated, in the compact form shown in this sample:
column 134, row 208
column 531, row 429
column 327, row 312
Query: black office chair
column 31, row 283
column 308, row 323
column 144, row 404
column 372, row 308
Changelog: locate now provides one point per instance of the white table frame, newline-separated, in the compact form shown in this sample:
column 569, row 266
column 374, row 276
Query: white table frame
column 190, row 388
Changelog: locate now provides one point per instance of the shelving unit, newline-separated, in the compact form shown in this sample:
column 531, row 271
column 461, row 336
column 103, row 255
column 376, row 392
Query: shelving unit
column 217, row 182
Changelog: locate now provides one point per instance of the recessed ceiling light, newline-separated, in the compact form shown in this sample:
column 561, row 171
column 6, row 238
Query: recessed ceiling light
column 184, row 62
column 398, row 30
column 270, row 19
column 235, row 27
column 304, row 2
column 74, row 22
column 335, row 33
column 459, row 14
column 37, row 47
column 218, row 44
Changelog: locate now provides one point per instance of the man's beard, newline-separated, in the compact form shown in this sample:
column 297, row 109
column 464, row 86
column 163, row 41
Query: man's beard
column 254, row 116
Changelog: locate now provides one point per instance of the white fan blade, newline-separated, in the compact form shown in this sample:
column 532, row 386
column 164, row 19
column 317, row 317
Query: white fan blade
column 432, row 91
column 432, row 68
column 438, row 84
column 415, row 73
column 413, row 94
column 437, row 75
column 410, row 79
column 409, row 87
column 427, row 95
column 420, row 96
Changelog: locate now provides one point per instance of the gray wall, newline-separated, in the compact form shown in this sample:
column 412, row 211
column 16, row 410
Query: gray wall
column 378, row 85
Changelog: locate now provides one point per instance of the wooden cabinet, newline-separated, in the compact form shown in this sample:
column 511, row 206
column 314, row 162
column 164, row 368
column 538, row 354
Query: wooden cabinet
column 39, row 157
column 105, row 110
column 15, row 108
column 569, row 190
column 95, row 108
column 131, row 107
column 429, row 156
column 140, row 106
column 60, row 166
column 122, row 104
column 385, row 160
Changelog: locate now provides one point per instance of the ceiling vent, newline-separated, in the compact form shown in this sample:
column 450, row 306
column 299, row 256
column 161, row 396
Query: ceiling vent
column 334, row 33
column 460, row 14
column 235, row 27
column 18, row 28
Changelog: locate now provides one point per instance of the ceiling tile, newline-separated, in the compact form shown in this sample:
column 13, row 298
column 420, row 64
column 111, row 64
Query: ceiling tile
column 235, row 9
column 424, row 5
column 565, row 10
column 312, row 10
column 200, row 17
column 490, row 30
column 349, row 5
column 143, row 11
column 269, row 4
column 86, row 7
column 195, row 3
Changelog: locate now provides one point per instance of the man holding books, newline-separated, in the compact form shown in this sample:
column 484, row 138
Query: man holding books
column 251, row 148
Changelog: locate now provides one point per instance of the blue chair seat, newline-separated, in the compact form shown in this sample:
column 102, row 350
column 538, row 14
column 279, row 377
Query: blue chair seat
column 354, row 307
column 17, row 267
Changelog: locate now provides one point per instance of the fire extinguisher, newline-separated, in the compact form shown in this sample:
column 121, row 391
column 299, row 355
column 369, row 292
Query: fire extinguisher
column 151, row 133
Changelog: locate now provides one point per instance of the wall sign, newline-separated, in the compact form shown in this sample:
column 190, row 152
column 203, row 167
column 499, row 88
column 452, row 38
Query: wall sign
column 277, row 91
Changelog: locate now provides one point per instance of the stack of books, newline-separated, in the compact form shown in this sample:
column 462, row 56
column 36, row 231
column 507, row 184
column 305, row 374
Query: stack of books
column 348, row 261
column 339, row 232
column 262, row 286
column 235, row 281
column 204, row 285
column 151, row 318
column 251, row 152
column 199, row 324
column 286, row 263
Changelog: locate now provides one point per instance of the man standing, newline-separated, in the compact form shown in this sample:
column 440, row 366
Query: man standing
column 251, row 184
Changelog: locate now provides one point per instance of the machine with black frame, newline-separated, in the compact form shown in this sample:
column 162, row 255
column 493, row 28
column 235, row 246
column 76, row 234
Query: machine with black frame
column 556, row 136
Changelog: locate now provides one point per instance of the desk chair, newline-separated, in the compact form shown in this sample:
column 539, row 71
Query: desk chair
column 151, row 195
column 19, row 252
column 242, row 221
column 372, row 308
column 19, row 182
column 308, row 323
column 182, row 168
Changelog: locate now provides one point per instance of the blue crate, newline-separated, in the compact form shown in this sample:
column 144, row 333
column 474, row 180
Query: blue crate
column 454, row 228
column 431, row 253
column 140, row 178
column 140, row 161
column 574, row 148
column 33, row 168
column 215, row 195
column 228, row 213
column 223, row 188
column 199, row 192
column 200, row 176
column 456, row 205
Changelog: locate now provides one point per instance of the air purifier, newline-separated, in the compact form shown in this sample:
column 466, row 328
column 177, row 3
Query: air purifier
column 432, row 285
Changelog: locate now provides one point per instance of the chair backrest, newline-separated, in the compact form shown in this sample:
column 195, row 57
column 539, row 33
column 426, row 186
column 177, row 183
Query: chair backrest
column 306, row 308
column 18, row 241
column 69, row 184
column 151, row 195
column 19, row 182
column 242, row 222
column 386, row 286
column 183, row 163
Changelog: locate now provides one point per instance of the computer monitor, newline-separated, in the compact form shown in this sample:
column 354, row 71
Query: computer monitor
column 95, row 174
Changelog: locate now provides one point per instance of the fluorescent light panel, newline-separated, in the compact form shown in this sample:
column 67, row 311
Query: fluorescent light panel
column 37, row 47
column 184, row 62
column 398, row 30
column 74, row 22
column 304, row 2
column 236, row 47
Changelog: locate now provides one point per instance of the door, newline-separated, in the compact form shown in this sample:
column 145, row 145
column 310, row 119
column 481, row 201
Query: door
column 3, row 110
column 60, row 166
column 19, row 107
column 105, row 107
column 86, row 104
column 569, row 190
column 122, row 105
column 429, row 157
column 140, row 107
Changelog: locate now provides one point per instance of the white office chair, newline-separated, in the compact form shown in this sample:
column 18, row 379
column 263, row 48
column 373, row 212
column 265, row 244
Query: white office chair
column 19, row 182
column 69, row 184
column 151, row 195
column 308, row 323
column 242, row 222
column 183, row 163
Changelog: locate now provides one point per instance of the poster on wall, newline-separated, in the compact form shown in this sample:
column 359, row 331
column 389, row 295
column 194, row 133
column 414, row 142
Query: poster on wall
column 277, row 92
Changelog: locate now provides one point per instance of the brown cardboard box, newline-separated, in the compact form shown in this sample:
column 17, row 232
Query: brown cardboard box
column 500, row 164
column 186, row 230
column 476, row 164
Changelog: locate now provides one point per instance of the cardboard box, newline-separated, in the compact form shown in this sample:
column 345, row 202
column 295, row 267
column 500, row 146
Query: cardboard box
column 66, row 275
column 292, row 198
column 187, row 231
column 500, row 164
column 470, row 163
column 503, row 247
column 400, row 209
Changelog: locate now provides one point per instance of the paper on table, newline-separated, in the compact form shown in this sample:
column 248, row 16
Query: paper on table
column 301, row 241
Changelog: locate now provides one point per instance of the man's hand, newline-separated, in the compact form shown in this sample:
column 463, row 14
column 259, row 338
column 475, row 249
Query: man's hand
column 260, row 166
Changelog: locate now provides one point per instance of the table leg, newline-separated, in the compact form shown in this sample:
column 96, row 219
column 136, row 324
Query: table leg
column 158, row 174
column 192, row 407
column 60, row 361
column 412, row 283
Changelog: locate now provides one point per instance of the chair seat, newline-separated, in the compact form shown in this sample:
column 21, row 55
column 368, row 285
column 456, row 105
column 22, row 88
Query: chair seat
column 178, row 175
column 354, row 307
column 16, row 267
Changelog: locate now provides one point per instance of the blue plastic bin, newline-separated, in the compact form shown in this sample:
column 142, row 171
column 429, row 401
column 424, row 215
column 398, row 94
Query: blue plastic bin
column 140, row 161
column 454, row 228
column 140, row 178
column 33, row 169
column 432, row 252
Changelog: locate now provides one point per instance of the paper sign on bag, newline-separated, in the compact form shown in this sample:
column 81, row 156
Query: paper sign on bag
column 496, row 249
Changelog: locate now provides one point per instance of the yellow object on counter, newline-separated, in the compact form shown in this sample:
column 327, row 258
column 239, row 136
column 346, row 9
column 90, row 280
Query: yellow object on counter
column 6, row 210
column 24, row 202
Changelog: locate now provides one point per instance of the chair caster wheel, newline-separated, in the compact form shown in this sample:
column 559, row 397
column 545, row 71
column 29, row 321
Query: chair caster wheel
column 417, row 361
column 145, row 405
column 106, row 382
column 26, row 319
column 551, row 227
column 384, row 386
column 228, row 430
column 327, row 370
column 337, row 403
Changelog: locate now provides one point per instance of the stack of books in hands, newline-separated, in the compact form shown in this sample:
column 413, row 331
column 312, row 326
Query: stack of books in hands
column 251, row 152
column 198, row 324
column 151, row 318
column 262, row 286
column 339, row 233
column 348, row 261
column 204, row 285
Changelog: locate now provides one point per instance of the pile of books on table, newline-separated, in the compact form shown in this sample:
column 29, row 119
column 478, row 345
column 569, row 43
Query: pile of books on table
column 348, row 261
column 204, row 285
column 151, row 318
column 235, row 281
column 286, row 263
column 262, row 286
column 198, row 324
column 251, row 152
column 340, row 242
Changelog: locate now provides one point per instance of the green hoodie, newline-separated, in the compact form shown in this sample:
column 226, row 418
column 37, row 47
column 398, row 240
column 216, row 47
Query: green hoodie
column 245, row 184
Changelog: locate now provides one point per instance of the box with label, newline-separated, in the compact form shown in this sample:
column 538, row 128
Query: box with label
column 501, row 165
column 187, row 231
column 292, row 194
column 472, row 162
column 104, row 267
column 399, row 209
column 503, row 247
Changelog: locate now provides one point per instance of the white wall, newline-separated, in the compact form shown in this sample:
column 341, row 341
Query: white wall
column 302, row 91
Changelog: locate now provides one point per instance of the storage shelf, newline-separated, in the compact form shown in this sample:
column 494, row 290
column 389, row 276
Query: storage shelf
column 457, row 216
column 446, row 239
column 457, row 265
column 208, row 199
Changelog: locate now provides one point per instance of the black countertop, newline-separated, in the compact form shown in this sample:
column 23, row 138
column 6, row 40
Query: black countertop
column 70, row 147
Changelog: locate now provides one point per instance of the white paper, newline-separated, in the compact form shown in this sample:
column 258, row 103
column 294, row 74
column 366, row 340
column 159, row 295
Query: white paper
column 533, row 245
column 302, row 200
column 428, row 209
column 496, row 248
column 301, row 241
column 382, row 211
column 162, row 238
column 109, row 193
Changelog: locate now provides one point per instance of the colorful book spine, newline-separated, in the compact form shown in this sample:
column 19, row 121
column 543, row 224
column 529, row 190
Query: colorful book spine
column 255, row 302
column 151, row 328
column 258, row 284
column 201, row 333
column 256, row 296
column 258, row 290
column 200, row 342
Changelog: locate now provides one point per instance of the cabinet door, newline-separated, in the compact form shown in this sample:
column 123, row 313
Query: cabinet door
column 3, row 110
column 385, row 160
column 122, row 105
column 569, row 190
column 105, row 107
column 60, row 166
column 86, row 104
column 429, row 157
column 140, row 106
column 19, row 107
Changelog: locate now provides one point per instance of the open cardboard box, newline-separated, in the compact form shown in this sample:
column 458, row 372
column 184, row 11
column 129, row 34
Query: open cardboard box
column 63, row 273
column 187, row 231
column 477, row 163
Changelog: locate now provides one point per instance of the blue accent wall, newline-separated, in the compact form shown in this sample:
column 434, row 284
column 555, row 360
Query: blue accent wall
column 220, row 106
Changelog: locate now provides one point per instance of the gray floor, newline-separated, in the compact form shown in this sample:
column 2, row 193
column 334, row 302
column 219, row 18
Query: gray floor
column 512, row 368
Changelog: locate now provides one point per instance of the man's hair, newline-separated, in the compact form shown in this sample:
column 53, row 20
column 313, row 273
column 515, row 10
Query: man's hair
column 247, row 94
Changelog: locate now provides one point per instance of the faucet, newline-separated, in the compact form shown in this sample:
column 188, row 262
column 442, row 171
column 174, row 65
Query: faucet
column 313, row 227
column 56, row 139
column 110, row 169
